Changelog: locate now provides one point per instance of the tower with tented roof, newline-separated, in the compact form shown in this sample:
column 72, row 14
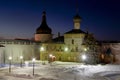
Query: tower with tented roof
column 43, row 32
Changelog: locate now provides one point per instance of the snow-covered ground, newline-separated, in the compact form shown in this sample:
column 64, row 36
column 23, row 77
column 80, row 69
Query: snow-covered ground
column 62, row 71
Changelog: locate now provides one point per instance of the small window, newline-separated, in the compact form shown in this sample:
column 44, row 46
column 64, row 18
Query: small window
column 72, row 41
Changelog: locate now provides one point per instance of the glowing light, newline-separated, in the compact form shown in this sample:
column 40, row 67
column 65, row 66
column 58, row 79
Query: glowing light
column 10, row 58
column 50, row 55
column 85, row 49
column 84, row 57
column 21, row 57
column 66, row 49
column 42, row 49
column 33, row 60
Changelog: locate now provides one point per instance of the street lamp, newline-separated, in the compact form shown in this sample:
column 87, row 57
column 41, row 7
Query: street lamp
column 21, row 58
column 84, row 57
column 10, row 58
column 33, row 60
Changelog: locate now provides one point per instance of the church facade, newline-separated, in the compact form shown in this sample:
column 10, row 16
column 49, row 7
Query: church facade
column 69, row 47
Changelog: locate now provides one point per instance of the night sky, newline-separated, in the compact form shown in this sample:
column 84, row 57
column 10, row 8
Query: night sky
column 20, row 18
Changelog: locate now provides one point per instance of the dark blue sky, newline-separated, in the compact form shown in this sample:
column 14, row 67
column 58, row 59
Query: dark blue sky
column 20, row 18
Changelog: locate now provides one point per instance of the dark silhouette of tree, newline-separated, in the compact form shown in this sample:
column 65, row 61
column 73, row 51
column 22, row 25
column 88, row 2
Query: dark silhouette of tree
column 92, row 47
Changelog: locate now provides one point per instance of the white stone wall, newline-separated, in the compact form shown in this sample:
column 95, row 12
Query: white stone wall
column 1, row 55
column 28, row 51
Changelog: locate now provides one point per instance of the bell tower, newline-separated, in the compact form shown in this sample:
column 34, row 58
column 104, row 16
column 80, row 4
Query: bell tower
column 77, row 21
column 77, row 18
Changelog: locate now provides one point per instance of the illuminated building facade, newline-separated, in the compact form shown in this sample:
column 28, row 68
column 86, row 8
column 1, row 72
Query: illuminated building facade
column 69, row 47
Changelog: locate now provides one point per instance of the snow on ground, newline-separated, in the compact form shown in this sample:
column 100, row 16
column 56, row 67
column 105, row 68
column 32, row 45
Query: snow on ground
column 62, row 71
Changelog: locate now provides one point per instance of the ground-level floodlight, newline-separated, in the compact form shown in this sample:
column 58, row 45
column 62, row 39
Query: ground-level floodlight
column 84, row 57
column 50, row 58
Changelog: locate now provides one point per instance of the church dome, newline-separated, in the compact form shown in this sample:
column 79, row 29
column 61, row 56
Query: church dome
column 43, row 28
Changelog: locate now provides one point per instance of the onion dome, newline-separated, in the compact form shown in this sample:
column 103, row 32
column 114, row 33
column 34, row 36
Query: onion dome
column 43, row 28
